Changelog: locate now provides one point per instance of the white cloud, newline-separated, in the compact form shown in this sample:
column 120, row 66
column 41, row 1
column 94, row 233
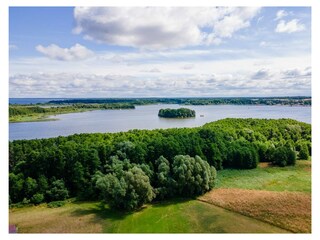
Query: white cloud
column 188, row 66
column 261, row 74
column 159, row 27
column 289, row 27
column 152, row 70
column 76, row 52
column 281, row 14
column 271, row 82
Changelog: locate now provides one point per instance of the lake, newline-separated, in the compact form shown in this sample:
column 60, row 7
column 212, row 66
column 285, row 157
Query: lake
column 146, row 117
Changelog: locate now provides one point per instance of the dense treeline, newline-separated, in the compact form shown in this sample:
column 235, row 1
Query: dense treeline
column 23, row 110
column 300, row 100
column 176, row 113
column 131, row 168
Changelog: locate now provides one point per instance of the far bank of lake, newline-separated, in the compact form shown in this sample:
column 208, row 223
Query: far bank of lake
column 146, row 117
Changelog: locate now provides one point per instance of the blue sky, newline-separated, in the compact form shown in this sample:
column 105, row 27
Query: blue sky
column 155, row 52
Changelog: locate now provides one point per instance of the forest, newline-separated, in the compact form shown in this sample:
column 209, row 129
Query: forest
column 299, row 100
column 128, row 169
column 176, row 113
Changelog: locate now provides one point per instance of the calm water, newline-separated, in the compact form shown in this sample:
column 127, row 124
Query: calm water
column 146, row 117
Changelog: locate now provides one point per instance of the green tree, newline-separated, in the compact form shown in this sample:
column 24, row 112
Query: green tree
column 30, row 187
column 304, row 152
column 57, row 191
column 194, row 176
column 126, row 190
column 165, row 185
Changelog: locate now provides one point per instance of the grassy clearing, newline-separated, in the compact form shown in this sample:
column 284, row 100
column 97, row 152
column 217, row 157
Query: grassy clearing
column 293, row 178
column 41, row 219
column 176, row 216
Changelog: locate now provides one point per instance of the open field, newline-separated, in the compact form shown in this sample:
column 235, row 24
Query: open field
column 291, row 178
column 176, row 216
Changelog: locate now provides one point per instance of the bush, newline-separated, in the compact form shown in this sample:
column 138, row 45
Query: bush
column 283, row 156
column 304, row 152
column 56, row 204
column 37, row 198
column 58, row 191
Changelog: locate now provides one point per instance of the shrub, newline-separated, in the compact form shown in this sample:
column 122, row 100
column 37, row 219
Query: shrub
column 304, row 152
column 56, row 204
column 37, row 198
column 283, row 156
column 58, row 191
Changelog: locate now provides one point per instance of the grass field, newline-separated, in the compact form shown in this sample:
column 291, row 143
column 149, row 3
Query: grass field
column 177, row 216
column 292, row 178
column 280, row 196
column 262, row 200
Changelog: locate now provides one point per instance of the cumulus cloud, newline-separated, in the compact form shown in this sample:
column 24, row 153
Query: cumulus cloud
column 261, row 74
column 117, row 59
column 290, row 26
column 296, row 73
column 281, row 14
column 74, row 53
column 273, row 83
column 188, row 66
column 159, row 27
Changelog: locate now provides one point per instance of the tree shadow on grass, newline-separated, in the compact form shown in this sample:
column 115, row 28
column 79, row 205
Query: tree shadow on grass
column 101, row 211
column 172, row 201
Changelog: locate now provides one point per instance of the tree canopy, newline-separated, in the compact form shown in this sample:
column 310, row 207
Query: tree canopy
column 176, row 113
column 141, row 165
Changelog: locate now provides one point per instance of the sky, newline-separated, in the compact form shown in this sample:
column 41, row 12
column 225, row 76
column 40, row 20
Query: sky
column 159, row 51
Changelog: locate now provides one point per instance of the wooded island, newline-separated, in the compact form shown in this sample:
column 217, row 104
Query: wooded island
column 176, row 113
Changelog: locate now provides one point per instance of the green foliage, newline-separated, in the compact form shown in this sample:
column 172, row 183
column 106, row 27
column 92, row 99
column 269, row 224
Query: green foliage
column 16, row 183
column 230, row 143
column 57, row 191
column 164, row 184
column 193, row 176
column 242, row 155
column 283, row 156
column 126, row 189
column 37, row 198
column 16, row 111
column 30, row 187
column 304, row 152
column 176, row 113
column 56, row 204
column 192, row 101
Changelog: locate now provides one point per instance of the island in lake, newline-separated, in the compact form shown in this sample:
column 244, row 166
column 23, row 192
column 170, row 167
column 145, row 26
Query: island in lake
column 176, row 113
